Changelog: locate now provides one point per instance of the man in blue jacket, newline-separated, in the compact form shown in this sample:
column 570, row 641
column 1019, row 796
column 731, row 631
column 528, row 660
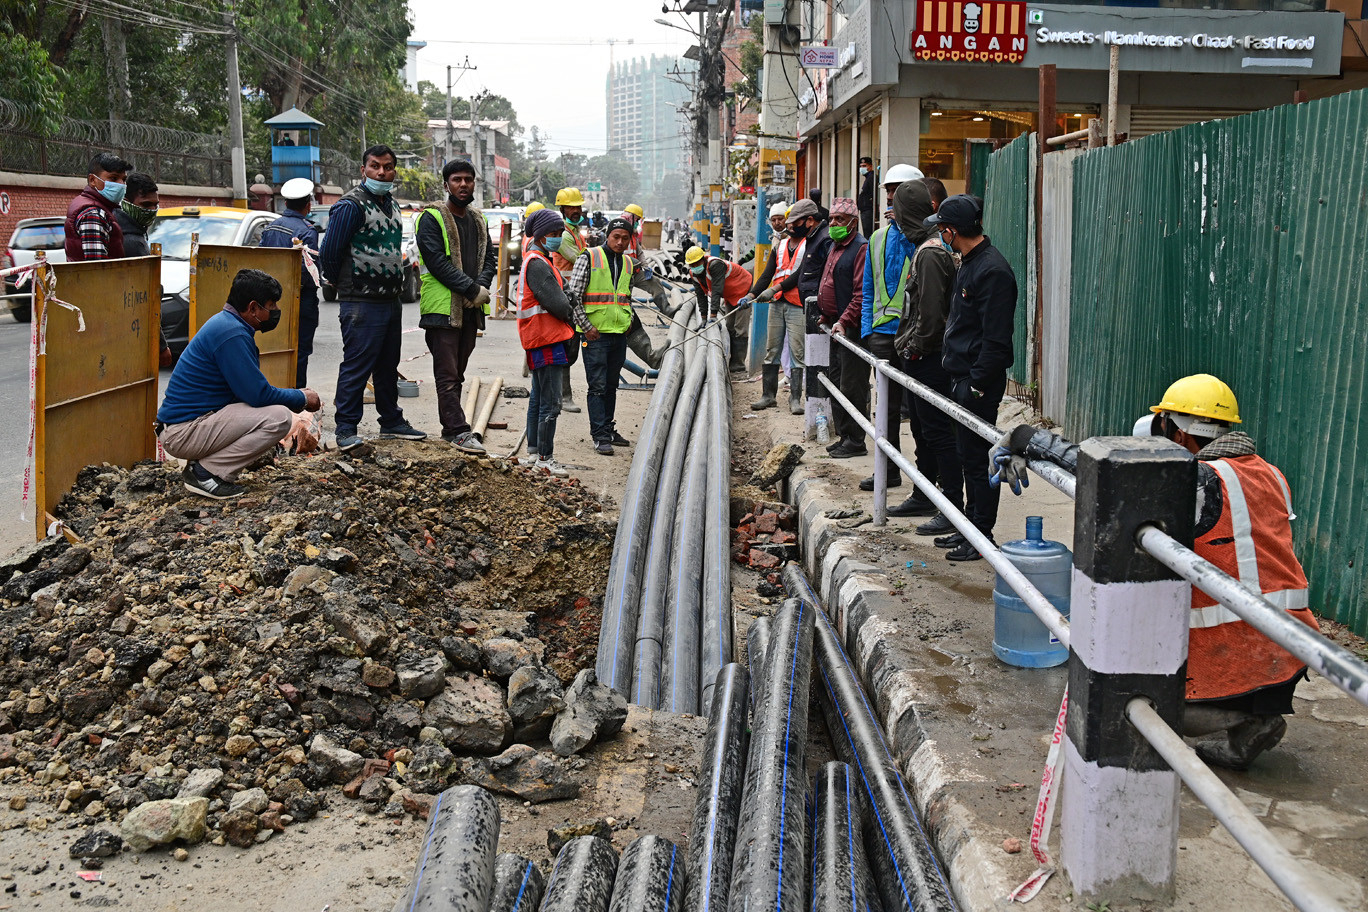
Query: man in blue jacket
column 219, row 412
column 294, row 225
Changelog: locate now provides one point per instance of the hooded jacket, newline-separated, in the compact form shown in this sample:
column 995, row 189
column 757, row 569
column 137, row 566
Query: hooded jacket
column 932, row 282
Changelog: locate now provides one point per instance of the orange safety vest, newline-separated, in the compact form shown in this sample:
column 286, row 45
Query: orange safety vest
column 789, row 260
column 536, row 327
column 564, row 258
column 1252, row 541
column 736, row 285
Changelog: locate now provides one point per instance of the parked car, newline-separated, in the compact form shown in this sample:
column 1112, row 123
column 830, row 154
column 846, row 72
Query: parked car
column 172, row 229
column 412, row 282
column 30, row 236
column 495, row 218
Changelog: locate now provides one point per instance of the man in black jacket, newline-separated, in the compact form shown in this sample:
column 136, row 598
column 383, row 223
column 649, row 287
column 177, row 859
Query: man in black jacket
column 865, row 198
column 977, row 352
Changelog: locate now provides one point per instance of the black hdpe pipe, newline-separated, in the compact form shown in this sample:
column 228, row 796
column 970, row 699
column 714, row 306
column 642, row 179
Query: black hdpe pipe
column 455, row 868
column 660, row 551
column 679, row 666
column 769, row 868
column 905, row 867
column 622, row 596
column 650, row 877
column 582, row 880
column 841, row 878
column 518, row 885
column 716, row 622
column 757, row 643
column 712, row 839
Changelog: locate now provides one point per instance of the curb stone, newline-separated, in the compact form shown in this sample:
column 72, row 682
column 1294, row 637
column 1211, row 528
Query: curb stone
column 848, row 586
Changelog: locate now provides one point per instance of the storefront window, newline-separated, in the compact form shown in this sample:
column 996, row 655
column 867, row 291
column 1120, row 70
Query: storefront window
column 954, row 142
column 1295, row 6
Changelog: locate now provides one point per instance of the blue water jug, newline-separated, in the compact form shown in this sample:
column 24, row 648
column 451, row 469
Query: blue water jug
column 1019, row 637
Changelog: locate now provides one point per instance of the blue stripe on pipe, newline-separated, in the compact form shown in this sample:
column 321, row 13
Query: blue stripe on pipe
column 669, row 882
column 427, row 846
column 788, row 727
column 711, row 843
column 522, row 887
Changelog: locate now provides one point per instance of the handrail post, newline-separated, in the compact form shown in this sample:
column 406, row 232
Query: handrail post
column 817, row 355
column 881, row 419
column 1128, row 638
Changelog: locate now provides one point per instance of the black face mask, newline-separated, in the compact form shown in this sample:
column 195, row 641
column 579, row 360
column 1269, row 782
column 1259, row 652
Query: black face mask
column 798, row 232
column 270, row 323
column 460, row 203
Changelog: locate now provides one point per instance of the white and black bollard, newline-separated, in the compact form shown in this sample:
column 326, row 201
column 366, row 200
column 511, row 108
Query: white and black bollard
column 1129, row 623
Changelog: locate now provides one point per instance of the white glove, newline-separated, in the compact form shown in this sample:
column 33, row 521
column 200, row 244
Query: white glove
column 767, row 295
column 1007, row 467
column 482, row 297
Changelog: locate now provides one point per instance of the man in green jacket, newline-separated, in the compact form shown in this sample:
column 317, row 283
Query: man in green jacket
column 458, row 265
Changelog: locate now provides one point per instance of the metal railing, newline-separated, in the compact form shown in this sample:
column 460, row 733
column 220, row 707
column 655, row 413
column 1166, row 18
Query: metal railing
column 1332, row 661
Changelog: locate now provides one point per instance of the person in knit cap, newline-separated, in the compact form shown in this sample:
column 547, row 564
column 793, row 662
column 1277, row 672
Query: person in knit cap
column 839, row 299
column 545, row 328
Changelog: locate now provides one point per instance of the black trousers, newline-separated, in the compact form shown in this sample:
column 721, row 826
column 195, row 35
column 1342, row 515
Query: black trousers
column 981, row 499
column 934, row 430
column 881, row 345
column 851, row 375
column 451, row 350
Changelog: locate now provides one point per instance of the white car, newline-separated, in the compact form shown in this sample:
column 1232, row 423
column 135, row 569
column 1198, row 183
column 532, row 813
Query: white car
column 31, row 235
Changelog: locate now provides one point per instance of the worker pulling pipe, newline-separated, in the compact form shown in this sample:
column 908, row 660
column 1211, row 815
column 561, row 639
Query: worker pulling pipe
column 722, row 773
column 455, row 867
column 716, row 623
column 841, row 878
column 582, row 879
column 518, row 885
column 906, row 870
column 769, row 869
column 679, row 669
column 650, row 877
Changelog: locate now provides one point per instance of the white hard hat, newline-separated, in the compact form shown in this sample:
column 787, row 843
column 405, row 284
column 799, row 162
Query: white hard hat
column 1144, row 426
column 780, row 209
column 297, row 188
column 900, row 173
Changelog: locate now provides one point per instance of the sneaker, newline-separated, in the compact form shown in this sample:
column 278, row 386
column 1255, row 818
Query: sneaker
column 469, row 442
column 835, row 444
column 954, row 540
column 965, row 552
column 915, row 505
column 530, row 460
column 894, row 481
column 604, row 448
column 619, row 440
column 213, row 487
column 403, row 431
column 553, row 467
column 936, row 525
column 348, row 440
column 848, row 449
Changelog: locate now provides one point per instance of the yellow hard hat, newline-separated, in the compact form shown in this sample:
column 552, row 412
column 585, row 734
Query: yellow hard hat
column 636, row 210
column 693, row 255
column 531, row 208
column 1201, row 395
column 569, row 196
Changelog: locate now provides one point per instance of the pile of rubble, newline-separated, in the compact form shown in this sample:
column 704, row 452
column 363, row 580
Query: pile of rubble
column 765, row 534
column 392, row 621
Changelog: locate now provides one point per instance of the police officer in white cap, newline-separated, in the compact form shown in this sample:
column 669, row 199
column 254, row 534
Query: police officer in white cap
column 294, row 223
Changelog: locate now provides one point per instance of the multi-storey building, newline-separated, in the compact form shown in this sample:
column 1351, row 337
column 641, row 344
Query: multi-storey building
column 646, row 101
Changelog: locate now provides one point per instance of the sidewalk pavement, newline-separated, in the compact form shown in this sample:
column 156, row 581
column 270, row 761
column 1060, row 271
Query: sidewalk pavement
column 971, row 732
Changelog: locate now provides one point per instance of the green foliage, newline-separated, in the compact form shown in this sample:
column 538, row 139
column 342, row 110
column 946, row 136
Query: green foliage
column 28, row 77
column 747, row 88
column 418, row 183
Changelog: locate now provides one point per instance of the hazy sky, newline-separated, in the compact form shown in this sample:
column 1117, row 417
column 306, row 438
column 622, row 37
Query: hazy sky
column 549, row 57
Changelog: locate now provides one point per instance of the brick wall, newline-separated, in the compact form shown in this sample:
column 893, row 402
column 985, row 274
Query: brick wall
column 33, row 196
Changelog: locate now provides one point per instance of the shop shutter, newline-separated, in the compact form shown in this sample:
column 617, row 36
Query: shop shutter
column 1147, row 119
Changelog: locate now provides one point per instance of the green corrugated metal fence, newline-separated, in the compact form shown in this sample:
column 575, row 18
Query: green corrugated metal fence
column 1007, row 219
column 1239, row 248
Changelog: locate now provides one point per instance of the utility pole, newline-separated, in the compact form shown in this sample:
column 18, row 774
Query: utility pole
column 464, row 67
column 237, row 152
column 364, row 145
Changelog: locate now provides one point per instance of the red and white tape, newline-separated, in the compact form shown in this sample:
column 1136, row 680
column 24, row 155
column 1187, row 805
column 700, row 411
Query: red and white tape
column 38, row 346
column 1044, row 812
column 310, row 261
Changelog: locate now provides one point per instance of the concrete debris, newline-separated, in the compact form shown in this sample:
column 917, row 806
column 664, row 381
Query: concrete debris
column 557, row 837
column 535, row 696
column 592, row 712
column 156, row 823
column 96, row 844
column 523, row 772
column 778, row 464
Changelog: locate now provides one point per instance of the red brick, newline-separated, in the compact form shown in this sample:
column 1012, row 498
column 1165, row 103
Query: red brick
column 783, row 538
column 766, row 523
column 761, row 560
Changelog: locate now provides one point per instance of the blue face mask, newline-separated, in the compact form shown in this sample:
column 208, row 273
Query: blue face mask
column 379, row 188
column 113, row 192
column 552, row 244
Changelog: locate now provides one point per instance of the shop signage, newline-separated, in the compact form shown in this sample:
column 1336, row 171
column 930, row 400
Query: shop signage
column 819, row 58
column 992, row 31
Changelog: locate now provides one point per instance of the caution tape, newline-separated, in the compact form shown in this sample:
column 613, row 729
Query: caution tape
column 1044, row 812
column 38, row 346
column 310, row 261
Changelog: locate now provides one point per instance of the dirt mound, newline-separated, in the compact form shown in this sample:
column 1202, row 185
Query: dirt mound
column 334, row 598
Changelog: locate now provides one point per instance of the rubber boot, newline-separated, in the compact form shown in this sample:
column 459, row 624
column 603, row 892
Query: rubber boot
column 567, row 395
column 769, row 381
column 1244, row 742
column 639, row 341
column 797, row 406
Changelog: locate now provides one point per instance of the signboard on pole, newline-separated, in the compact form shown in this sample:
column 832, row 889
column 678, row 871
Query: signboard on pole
column 595, row 186
column 819, row 58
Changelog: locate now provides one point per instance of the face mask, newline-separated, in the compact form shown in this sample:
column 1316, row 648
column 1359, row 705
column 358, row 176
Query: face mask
column 552, row 244
column 946, row 244
column 798, row 232
column 697, row 270
column 839, row 233
column 379, row 188
column 141, row 216
column 270, row 323
column 863, row 171
column 113, row 192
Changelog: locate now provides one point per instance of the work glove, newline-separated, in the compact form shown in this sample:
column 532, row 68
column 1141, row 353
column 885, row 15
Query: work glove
column 1005, row 466
column 481, row 297
column 746, row 299
column 767, row 295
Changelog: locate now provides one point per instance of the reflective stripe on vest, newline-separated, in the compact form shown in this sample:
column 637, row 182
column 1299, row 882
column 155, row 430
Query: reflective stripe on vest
column 788, row 261
column 1251, row 541
column 609, row 307
column 536, row 327
column 887, row 308
column 571, row 246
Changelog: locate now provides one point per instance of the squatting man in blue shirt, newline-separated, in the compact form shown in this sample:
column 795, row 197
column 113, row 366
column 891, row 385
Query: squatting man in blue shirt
column 220, row 413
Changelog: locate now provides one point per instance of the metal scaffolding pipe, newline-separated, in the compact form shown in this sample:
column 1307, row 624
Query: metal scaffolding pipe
column 518, row 885
column 712, row 838
column 841, row 878
column 650, row 877
column 455, row 868
column 769, row 869
column 716, row 624
column 906, row 870
column 679, row 668
column 660, row 549
column 622, row 595
column 582, row 880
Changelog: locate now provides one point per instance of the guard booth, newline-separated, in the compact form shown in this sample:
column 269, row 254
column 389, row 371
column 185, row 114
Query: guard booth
column 294, row 147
